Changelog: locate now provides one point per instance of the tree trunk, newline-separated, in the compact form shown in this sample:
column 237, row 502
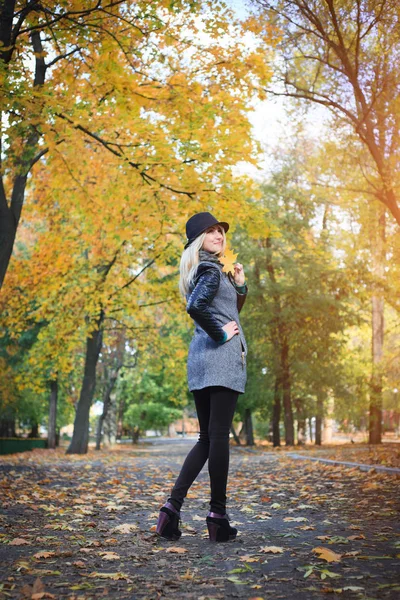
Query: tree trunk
column 276, row 415
column 52, row 428
column 286, row 393
column 235, row 436
column 10, row 213
column 110, row 423
column 34, row 432
column 80, row 437
column 301, row 432
column 7, row 428
column 120, row 417
column 107, row 401
column 301, row 422
column 135, row 435
column 378, row 261
column 328, row 421
column 310, row 431
column 318, row 419
column 249, row 427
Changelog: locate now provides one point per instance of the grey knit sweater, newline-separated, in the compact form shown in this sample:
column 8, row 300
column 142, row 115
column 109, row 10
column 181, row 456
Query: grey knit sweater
column 213, row 302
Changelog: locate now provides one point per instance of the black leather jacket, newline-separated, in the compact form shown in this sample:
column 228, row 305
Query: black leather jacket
column 198, row 306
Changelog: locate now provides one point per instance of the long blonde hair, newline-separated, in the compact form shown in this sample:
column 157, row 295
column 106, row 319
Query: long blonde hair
column 190, row 261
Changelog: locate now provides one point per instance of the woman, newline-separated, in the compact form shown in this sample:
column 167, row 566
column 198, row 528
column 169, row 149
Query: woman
column 216, row 369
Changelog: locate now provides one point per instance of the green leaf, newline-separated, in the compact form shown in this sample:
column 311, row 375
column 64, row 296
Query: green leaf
column 236, row 581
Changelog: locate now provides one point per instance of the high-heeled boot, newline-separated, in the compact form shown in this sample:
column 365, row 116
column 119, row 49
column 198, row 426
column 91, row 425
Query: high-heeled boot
column 168, row 522
column 219, row 529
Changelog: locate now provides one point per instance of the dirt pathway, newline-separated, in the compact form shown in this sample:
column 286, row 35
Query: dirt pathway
column 81, row 527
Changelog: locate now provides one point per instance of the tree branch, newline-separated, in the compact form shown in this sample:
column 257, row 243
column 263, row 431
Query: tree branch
column 145, row 176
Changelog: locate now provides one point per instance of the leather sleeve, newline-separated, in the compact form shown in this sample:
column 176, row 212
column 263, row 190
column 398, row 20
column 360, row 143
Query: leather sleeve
column 241, row 299
column 198, row 305
column 240, row 296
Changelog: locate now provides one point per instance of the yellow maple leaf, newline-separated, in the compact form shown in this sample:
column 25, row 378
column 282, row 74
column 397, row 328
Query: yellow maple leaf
column 327, row 554
column 228, row 260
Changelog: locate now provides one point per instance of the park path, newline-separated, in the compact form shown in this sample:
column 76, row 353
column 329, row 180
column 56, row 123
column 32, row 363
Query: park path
column 82, row 527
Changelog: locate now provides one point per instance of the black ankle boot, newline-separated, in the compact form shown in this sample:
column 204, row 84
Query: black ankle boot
column 168, row 522
column 219, row 529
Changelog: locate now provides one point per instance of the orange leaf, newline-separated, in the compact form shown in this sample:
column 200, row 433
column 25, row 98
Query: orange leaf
column 327, row 554
column 44, row 554
column 19, row 542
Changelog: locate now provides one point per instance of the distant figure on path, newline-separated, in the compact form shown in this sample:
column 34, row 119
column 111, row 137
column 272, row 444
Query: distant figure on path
column 216, row 369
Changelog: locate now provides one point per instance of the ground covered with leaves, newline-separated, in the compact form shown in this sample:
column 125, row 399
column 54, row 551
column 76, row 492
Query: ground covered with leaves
column 385, row 455
column 82, row 527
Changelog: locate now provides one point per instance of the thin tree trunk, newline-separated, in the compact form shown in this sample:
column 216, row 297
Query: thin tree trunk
column 80, row 437
column 120, row 416
column 282, row 345
column 106, row 405
column 301, row 422
column 286, row 393
column 318, row 419
column 378, row 260
column 249, row 427
column 235, row 436
column 276, row 415
column 110, row 423
column 135, row 435
column 52, row 428
column 34, row 432
column 301, row 432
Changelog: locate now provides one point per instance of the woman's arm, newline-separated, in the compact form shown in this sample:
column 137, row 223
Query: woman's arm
column 199, row 301
column 241, row 292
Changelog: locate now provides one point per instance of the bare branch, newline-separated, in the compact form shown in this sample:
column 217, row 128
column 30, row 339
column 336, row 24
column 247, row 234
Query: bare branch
column 55, row 60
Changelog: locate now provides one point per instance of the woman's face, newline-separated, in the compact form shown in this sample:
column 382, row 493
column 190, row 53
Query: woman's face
column 214, row 239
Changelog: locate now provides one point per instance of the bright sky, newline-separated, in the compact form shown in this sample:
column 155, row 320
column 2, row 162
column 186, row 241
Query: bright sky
column 269, row 119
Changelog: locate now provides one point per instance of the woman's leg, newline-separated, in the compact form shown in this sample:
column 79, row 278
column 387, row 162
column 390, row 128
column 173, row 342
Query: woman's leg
column 198, row 455
column 222, row 407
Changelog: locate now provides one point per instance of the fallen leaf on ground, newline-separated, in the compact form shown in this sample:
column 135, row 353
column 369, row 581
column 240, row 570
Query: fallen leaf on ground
column 273, row 549
column 44, row 554
column 177, row 550
column 36, row 592
column 110, row 556
column 249, row 558
column 125, row 528
column 113, row 576
column 326, row 554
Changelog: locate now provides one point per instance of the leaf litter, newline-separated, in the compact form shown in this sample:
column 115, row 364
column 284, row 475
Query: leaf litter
column 78, row 515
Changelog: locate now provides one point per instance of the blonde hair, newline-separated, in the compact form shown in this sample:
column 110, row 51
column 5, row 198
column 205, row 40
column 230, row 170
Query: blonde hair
column 190, row 261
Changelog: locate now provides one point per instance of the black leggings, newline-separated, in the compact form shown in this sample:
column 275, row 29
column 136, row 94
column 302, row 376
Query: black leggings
column 215, row 407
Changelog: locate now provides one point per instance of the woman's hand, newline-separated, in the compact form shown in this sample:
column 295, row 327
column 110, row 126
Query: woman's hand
column 238, row 274
column 231, row 329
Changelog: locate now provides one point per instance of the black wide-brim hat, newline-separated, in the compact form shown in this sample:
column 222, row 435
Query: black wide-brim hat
column 199, row 223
